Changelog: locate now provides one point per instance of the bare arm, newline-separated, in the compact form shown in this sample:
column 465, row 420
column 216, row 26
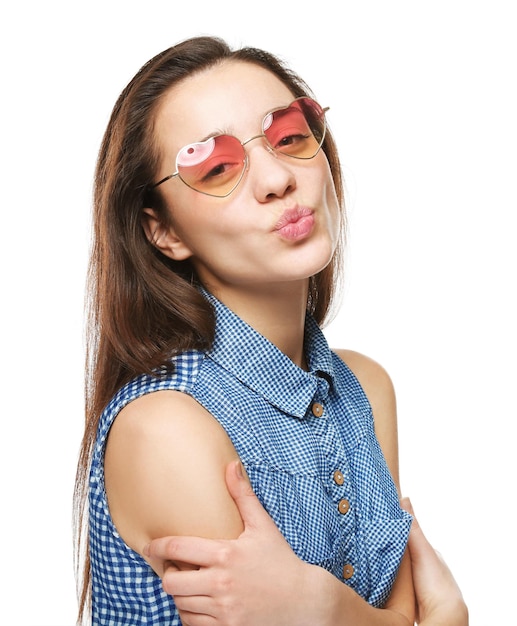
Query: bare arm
column 165, row 472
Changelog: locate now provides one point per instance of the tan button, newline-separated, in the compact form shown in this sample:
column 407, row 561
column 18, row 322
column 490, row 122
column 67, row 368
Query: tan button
column 317, row 409
column 343, row 506
column 339, row 479
column 348, row 571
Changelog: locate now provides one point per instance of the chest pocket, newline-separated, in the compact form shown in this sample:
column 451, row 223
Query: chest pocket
column 305, row 512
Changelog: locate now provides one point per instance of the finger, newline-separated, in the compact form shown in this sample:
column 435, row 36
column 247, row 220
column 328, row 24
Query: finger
column 405, row 503
column 192, row 583
column 198, row 605
column 193, row 550
column 196, row 619
column 251, row 510
column 419, row 546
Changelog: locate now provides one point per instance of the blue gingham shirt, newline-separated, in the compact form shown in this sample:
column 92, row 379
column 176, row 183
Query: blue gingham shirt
column 307, row 442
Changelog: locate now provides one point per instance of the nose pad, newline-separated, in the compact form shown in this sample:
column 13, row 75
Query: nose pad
column 270, row 149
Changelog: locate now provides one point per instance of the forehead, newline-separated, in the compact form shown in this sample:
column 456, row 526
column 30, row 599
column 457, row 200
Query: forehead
column 230, row 97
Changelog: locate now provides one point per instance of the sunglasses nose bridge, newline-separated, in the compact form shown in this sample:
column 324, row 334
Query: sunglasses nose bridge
column 266, row 144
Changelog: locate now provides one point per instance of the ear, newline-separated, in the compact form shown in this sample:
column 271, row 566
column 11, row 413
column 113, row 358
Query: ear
column 163, row 237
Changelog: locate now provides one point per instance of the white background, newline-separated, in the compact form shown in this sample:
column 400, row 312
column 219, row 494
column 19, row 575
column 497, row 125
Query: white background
column 423, row 105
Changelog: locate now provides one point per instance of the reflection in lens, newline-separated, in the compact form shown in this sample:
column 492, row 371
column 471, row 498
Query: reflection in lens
column 195, row 153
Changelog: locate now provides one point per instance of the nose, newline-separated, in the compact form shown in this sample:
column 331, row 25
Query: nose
column 270, row 173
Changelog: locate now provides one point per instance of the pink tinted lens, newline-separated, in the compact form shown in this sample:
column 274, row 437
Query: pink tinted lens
column 214, row 166
column 298, row 130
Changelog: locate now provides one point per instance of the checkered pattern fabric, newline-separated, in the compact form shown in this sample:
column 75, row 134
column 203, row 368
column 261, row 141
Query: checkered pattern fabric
column 320, row 475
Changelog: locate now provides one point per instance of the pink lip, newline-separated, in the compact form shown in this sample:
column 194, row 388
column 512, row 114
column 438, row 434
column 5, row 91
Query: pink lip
column 295, row 224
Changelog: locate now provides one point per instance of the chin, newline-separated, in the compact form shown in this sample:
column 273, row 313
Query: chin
column 317, row 260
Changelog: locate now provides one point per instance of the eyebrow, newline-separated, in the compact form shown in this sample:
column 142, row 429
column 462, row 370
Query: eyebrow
column 215, row 133
column 229, row 132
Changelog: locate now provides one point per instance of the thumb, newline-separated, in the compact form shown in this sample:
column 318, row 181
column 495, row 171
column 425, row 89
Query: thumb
column 251, row 510
column 405, row 503
column 419, row 546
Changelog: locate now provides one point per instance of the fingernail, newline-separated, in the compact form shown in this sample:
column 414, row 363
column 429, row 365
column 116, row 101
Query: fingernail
column 147, row 549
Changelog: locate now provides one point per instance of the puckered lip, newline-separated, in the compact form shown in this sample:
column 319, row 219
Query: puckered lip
column 293, row 215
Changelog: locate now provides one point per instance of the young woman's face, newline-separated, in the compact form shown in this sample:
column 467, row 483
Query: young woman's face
column 281, row 223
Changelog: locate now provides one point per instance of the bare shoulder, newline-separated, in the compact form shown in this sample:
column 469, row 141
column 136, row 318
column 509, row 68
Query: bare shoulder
column 168, row 414
column 379, row 390
column 374, row 379
column 164, row 470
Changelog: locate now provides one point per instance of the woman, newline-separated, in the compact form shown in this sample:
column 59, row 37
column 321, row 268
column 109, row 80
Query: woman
column 218, row 225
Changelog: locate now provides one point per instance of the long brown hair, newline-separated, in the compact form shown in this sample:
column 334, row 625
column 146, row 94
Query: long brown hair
column 142, row 307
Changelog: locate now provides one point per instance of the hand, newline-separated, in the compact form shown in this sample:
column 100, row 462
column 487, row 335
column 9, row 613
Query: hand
column 256, row 579
column 439, row 599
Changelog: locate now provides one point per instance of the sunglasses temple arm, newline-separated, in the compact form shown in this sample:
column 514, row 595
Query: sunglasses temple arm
column 164, row 180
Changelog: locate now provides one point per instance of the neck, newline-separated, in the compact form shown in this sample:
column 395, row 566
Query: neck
column 275, row 311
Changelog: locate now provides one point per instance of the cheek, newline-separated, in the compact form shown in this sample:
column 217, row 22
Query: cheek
column 208, row 231
column 329, row 194
column 333, row 213
column 325, row 177
column 189, row 216
column 332, row 202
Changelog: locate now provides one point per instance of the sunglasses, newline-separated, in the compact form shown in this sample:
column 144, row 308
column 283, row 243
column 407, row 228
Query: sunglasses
column 216, row 166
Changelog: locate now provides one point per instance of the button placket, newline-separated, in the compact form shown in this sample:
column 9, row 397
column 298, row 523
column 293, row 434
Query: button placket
column 343, row 510
column 338, row 476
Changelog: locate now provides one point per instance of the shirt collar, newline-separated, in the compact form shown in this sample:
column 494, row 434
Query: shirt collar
column 262, row 367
